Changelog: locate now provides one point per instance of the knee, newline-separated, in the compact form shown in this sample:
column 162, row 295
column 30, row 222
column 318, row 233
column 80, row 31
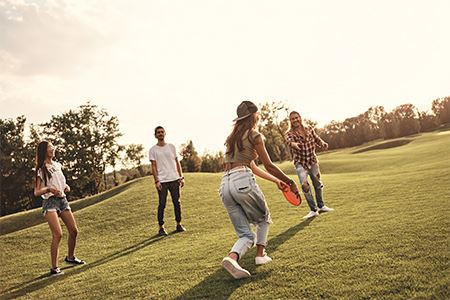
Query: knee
column 305, row 187
column 57, row 236
column 73, row 232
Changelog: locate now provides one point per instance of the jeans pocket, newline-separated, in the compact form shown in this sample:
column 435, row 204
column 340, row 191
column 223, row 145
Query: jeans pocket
column 242, row 185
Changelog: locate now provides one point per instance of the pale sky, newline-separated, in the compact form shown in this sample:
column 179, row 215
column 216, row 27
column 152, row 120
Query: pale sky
column 186, row 65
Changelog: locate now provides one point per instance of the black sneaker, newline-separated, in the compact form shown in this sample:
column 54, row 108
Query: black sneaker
column 56, row 272
column 74, row 261
column 180, row 228
column 162, row 232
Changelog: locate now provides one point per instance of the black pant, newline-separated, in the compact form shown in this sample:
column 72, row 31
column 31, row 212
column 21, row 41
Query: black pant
column 174, row 188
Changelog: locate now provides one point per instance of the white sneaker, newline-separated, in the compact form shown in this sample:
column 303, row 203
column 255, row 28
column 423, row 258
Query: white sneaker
column 325, row 209
column 261, row 260
column 311, row 214
column 234, row 268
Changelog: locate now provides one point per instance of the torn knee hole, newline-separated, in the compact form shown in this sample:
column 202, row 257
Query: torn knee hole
column 305, row 187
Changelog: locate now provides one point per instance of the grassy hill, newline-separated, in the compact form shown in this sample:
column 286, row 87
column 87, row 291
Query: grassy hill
column 388, row 238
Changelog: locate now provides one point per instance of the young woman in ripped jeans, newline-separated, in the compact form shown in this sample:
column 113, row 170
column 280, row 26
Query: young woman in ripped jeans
column 241, row 196
column 50, row 184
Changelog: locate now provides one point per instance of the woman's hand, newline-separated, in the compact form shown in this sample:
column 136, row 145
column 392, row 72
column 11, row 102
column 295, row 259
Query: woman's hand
column 282, row 185
column 55, row 192
column 293, row 187
column 67, row 189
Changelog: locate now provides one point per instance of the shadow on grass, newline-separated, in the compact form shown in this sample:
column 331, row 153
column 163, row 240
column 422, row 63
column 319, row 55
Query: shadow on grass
column 385, row 145
column 44, row 280
column 220, row 285
column 16, row 222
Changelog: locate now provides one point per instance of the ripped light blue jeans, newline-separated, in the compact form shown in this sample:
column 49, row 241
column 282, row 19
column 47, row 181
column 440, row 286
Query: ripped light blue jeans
column 245, row 204
column 314, row 174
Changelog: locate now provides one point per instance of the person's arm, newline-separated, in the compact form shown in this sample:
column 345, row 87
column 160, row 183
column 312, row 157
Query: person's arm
column 270, row 166
column 180, row 172
column 265, row 175
column 321, row 143
column 290, row 141
column 40, row 189
column 66, row 187
column 155, row 174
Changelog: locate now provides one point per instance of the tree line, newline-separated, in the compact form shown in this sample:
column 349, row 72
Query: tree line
column 88, row 147
column 375, row 123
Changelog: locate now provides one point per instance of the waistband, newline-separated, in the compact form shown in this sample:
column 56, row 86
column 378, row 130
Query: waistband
column 54, row 197
column 237, row 169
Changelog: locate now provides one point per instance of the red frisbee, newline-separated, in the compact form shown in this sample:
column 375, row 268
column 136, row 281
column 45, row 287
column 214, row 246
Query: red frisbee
column 292, row 197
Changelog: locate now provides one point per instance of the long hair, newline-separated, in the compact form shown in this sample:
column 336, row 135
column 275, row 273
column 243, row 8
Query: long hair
column 294, row 113
column 41, row 155
column 236, row 136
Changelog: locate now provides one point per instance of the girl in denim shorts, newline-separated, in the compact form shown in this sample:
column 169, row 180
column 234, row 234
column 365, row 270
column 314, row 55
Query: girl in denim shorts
column 241, row 196
column 50, row 184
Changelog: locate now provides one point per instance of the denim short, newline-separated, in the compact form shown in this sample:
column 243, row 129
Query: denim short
column 55, row 204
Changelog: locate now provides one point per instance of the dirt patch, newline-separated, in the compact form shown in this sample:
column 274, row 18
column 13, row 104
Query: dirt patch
column 385, row 145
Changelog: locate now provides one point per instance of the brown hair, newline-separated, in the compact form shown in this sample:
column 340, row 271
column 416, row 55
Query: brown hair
column 41, row 155
column 236, row 136
column 293, row 113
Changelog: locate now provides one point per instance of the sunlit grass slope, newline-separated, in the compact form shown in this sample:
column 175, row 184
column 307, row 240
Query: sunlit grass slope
column 388, row 238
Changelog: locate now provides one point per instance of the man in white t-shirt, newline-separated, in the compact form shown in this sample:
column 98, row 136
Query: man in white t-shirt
column 168, row 175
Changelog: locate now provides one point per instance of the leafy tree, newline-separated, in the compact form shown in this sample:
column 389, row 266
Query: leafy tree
column 16, row 167
column 407, row 115
column 441, row 108
column 191, row 162
column 427, row 121
column 212, row 163
column 87, row 143
column 134, row 155
column 273, row 125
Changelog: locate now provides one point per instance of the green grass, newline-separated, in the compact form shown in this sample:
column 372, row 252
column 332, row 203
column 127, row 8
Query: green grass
column 388, row 238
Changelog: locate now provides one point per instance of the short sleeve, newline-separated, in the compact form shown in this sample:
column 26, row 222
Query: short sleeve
column 151, row 155
column 254, row 134
column 174, row 151
column 39, row 174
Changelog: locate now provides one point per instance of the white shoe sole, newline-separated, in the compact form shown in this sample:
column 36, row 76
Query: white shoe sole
column 309, row 217
column 235, row 272
column 259, row 262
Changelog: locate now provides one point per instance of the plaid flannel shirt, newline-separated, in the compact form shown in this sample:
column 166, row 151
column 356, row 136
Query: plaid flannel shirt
column 306, row 156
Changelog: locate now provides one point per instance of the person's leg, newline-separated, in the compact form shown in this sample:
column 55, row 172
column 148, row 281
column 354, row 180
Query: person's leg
column 317, row 183
column 262, row 231
column 239, row 221
column 303, row 178
column 71, row 224
column 55, row 228
column 174, row 189
column 162, row 196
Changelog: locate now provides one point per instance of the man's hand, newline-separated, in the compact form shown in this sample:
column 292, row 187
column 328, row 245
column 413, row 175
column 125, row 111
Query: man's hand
column 158, row 185
column 181, row 181
column 325, row 146
column 296, row 146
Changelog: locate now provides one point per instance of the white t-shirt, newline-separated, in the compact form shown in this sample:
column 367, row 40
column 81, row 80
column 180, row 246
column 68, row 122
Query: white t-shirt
column 57, row 181
column 165, row 157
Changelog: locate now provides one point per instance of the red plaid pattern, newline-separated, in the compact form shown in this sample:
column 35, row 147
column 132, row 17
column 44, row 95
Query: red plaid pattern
column 307, row 154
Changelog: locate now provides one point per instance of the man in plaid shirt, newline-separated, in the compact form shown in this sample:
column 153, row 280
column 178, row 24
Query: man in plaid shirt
column 302, row 141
